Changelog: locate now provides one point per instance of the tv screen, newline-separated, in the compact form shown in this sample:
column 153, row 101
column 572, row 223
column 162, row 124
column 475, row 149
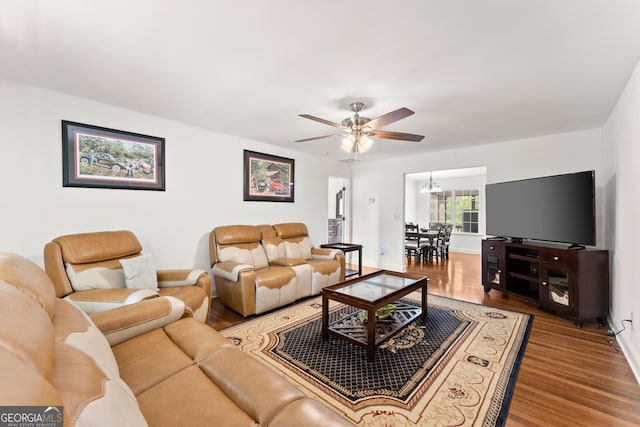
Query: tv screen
column 558, row 208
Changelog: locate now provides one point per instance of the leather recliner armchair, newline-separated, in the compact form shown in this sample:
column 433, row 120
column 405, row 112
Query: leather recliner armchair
column 101, row 270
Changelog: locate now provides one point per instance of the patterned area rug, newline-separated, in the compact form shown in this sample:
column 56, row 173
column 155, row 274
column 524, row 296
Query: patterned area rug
column 458, row 368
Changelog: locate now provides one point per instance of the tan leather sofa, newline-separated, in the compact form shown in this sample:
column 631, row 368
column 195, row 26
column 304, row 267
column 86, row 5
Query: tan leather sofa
column 137, row 365
column 105, row 270
column 259, row 268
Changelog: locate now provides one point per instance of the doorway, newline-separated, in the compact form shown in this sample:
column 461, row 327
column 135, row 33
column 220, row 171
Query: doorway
column 458, row 199
column 338, row 213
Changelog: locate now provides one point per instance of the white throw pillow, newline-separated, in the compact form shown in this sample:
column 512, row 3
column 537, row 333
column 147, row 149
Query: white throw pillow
column 139, row 273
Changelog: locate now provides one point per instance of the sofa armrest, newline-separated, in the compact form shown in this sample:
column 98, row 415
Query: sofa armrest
column 230, row 270
column 185, row 277
column 96, row 300
column 177, row 278
column 287, row 262
column 325, row 253
column 121, row 324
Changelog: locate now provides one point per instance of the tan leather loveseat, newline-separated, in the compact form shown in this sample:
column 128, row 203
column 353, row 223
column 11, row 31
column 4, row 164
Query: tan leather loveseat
column 259, row 268
column 104, row 270
column 150, row 367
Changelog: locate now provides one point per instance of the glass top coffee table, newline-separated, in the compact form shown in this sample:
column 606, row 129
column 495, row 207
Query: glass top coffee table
column 370, row 293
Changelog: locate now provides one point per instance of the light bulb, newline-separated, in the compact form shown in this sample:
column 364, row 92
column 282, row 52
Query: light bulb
column 347, row 144
column 364, row 143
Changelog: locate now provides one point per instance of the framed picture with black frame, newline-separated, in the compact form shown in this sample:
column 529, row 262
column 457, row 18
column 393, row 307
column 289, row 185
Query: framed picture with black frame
column 99, row 157
column 268, row 178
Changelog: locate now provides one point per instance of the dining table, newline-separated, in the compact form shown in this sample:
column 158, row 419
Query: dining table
column 429, row 233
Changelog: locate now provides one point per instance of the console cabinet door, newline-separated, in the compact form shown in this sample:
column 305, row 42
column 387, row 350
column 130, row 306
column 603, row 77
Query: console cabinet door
column 492, row 265
column 557, row 288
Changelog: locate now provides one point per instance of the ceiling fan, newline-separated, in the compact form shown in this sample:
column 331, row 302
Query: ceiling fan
column 359, row 130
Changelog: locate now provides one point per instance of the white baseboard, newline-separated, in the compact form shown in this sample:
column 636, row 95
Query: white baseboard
column 629, row 351
column 632, row 357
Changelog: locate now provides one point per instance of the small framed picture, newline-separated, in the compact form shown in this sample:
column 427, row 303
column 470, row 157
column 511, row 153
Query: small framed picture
column 98, row 157
column 268, row 178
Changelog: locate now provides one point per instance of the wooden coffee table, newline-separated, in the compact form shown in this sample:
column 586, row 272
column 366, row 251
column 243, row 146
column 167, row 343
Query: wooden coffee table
column 370, row 293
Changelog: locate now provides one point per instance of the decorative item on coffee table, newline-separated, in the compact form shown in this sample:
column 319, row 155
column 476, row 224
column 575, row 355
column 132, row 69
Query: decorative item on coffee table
column 381, row 314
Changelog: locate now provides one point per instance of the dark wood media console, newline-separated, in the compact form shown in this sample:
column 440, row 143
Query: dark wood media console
column 571, row 283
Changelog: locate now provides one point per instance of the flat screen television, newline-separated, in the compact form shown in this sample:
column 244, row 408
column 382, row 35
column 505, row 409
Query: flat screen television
column 559, row 208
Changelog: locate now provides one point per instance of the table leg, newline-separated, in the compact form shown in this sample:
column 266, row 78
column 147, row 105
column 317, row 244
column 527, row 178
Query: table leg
column 371, row 335
column 360, row 262
column 425, row 307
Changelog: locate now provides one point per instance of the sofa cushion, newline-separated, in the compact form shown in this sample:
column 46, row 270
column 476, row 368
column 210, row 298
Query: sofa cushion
column 141, row 367
column 26, row 330
column 22, row 385
column 89, row 396
column 298, row 248
column 73, row 327
column 235, row 234
column 196, row 339
column 289, row 230
column 86, row 373
column 274, row 248
column 27, row 276
column 95, row 275
column 246, row 253
column 93, row 247
column 167, row 403
column 139, row 272
column 244, row 380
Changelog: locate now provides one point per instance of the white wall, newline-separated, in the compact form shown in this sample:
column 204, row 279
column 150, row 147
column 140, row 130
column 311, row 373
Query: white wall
column 412, row 212
column 622, row 210
column 380, row 222
column 203, row 182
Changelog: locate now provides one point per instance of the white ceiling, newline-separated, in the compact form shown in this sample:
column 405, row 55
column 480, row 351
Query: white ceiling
column 474, row 71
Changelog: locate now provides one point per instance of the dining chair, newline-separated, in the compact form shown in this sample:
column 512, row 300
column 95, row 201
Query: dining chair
column 413, row 245
column 435, row 225
column 435, row 246
column 446, row 241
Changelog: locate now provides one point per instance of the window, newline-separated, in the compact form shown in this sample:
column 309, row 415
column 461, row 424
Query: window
column 459, row 207
column 440, row 207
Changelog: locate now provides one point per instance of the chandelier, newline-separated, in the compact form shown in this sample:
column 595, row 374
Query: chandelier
column 431, row 187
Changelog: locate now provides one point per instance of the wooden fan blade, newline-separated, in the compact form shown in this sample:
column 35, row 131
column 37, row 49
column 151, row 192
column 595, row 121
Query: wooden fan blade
column 320, row 137
column 326, row 122
column 383, row 134
column 389, row 118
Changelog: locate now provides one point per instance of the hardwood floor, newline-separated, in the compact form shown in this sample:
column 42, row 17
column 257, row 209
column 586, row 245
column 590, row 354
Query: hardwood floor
column 569, row 376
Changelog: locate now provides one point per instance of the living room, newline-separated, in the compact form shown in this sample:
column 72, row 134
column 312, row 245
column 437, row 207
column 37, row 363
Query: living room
column 204, row 183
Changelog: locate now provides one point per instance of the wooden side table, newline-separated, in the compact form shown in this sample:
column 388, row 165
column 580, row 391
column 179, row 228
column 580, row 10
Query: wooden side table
column 347, row 247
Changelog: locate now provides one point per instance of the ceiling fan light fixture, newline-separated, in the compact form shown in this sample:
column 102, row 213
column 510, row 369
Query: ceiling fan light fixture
column 364, row 144
column 359, row 130
column 347, row 143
